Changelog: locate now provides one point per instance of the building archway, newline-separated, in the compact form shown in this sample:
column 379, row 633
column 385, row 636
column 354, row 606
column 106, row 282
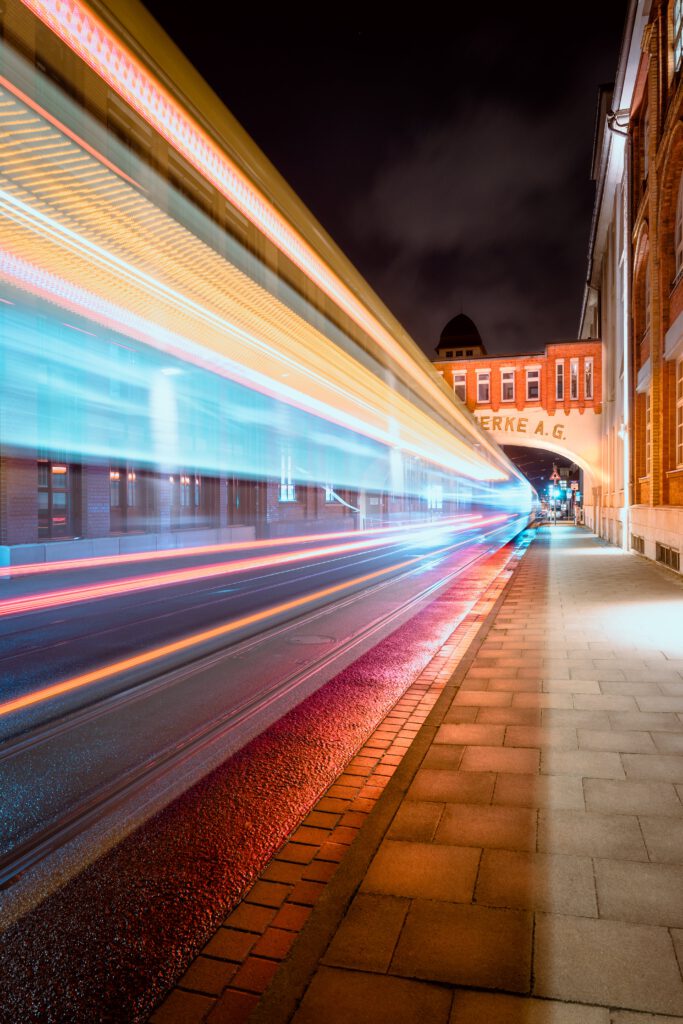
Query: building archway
column 575, row 437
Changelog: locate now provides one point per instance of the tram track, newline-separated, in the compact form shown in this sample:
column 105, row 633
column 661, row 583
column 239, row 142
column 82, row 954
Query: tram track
column 132, row 783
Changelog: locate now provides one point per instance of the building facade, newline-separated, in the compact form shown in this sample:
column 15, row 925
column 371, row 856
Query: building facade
column 550, row 400
column 634, row 294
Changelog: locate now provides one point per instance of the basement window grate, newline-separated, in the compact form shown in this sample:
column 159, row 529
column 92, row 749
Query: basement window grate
column 671, row 557
column 638, row 544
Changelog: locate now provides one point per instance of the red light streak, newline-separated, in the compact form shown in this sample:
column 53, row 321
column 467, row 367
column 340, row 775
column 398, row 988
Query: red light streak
column 156, row 653
column 36, row 568
column 136, row 584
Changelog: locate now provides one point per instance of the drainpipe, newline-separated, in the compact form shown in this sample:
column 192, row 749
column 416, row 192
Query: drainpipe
column 627, row 353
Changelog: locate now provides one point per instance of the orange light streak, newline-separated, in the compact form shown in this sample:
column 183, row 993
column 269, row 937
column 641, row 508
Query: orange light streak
column 6, row 84
column 64, row 565
column 156, row 653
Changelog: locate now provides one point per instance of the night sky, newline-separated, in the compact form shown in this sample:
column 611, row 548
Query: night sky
column 452, row 167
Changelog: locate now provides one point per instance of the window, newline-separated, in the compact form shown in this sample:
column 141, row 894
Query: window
column 507, row 382
column 573, row 379
column 588, row 378
column 646, row 143
column 648, row 433
column 54, row 497
column 533, row 385
column 646, row 300
column 449, row 354
column 678, row 240
column 559, row 380
column 679, row 413
column 460, row 385
column 483, row 387
column 434, row 496
column 287, row 491
column 678, row 34
column 330, row 496
column 638, row 543
column 115, row 488
column 132, row 488
column 468, row 352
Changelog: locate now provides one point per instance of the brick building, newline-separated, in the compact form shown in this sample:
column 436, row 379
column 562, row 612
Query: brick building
column 566, row 376
column 634, row 295
column 558, row 391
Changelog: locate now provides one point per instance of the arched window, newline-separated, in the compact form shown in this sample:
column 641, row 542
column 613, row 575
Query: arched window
column 679, row 229
column 678, row 34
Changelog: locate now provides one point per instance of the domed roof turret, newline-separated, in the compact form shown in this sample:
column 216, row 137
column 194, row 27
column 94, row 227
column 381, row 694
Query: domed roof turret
column 460, row 331
column 460, row 339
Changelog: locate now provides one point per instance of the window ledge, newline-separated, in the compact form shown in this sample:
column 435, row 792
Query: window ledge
column 675, row 472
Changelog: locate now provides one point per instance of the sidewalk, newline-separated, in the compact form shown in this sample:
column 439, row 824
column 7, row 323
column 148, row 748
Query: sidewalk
column 526, row 856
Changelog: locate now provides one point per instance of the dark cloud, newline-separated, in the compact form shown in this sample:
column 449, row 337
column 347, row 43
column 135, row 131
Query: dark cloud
column 482, row 210
column 450, row 163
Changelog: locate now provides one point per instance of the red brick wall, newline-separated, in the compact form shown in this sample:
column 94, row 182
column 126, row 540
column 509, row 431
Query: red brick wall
column 546, row 362
column 18, row 500
column 95, row 501
column 676, row 301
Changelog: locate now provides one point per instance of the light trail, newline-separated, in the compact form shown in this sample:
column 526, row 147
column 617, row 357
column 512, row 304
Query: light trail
column 69, row 246
column 84, row 33
column 155, row 654
column 134, row 584
column 60, row 126
column 65, row 565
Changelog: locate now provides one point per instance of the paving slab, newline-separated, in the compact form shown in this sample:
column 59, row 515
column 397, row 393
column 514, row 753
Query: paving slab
column 594, row 835
column 645, row 893
column 536, row 881
column 338, row 997
column 466, row 945
column 494, row 827
column 614, row 963
column 663, row 838
column 628, row 797
column 368, row 934
column 424, row 870
column 485, row 1007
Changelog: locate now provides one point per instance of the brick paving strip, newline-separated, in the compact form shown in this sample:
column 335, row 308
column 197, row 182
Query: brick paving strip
column 524, row 864
column 226, row 980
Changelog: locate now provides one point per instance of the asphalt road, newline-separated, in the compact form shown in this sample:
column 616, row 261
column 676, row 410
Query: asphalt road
column 41, row 647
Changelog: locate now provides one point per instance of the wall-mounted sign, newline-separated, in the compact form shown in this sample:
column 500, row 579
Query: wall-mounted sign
column 523, row 425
